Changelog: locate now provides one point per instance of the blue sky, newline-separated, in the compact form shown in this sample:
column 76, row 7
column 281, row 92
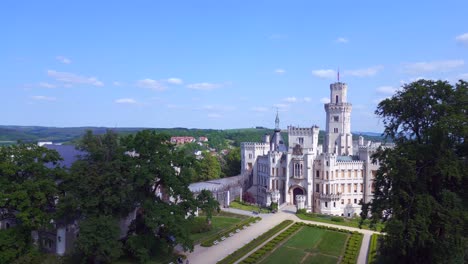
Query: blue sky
column 218, row 64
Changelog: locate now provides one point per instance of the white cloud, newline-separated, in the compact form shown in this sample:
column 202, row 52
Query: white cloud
column 387, row 90
column 204, row 86
column 307, row 99
column 281, row 106
column 71, row 78
column 327, row 74
column 43, row 98
column 117, row 83
column 259, row 109
column 214, row 115
column 151, row 84
column 290, row 99
column 125, row 101
column 371, row 71
column 175, row 81
column 47, row 85
column 463, row 38
column 463, row 76
column 63, row 59
column 325, row 100
column 280, row 71
column 433, row 66
column 342, row 40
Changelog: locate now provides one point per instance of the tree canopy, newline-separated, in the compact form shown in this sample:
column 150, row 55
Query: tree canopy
column 420, row 188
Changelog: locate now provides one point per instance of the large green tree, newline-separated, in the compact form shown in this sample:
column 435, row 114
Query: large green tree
column 28, row 192
column 421, row 186
column 208, row 168
column 166, row 205
column 233, row 162
column 98, row 192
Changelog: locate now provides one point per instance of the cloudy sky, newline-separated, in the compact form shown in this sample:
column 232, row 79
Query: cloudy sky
column 218, row 64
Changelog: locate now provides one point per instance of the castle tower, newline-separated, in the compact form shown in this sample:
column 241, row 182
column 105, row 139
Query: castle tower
column 338, row 138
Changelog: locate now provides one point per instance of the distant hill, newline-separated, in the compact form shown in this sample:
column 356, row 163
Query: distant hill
column 217, row 138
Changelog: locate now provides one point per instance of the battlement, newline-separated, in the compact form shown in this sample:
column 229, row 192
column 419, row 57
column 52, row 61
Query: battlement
column 359, row 162
column 292, row 130
column 252, row 145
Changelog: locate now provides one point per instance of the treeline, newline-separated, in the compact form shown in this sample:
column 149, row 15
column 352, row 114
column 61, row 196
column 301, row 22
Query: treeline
column 117, row 176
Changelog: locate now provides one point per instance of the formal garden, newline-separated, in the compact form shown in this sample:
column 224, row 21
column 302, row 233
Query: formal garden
column 338, row 220
column 306, row 243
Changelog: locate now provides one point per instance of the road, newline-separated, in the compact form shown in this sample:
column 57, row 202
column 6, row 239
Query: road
column 208, row 255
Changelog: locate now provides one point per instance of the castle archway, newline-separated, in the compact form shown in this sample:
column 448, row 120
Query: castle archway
column 296, row 190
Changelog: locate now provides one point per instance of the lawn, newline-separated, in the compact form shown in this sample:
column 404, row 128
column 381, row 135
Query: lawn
column 247, row 207
column 310, row 245
column 218, row 223
column 353, row 222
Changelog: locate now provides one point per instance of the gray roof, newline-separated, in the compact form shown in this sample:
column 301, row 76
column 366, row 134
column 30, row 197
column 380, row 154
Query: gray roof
column 215, row 184
column 69, row 154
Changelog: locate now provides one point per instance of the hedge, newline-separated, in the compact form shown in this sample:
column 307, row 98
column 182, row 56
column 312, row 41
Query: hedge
column 353, row 246
column 257, row 255
column 236, row 255
column 208, row 242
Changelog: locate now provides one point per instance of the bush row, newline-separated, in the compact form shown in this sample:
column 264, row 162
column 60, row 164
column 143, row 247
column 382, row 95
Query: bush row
column 352, row 248
column 225, row 233
column 371, row 258
column 268, row 247
column 236, row 255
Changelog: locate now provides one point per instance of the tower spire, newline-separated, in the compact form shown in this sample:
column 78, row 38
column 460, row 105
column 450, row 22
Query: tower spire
column 338, row 74
column 277, row 120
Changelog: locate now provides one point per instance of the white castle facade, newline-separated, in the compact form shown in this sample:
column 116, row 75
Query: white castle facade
column 330, row 179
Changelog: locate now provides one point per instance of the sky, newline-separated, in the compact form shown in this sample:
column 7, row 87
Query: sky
column 218, row 64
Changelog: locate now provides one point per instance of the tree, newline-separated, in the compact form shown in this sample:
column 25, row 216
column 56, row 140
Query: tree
column 166, row 205
column 420, row 188
column 208, row 204
column 208, row 168
column 98, row 191
column 28, row 191
column 98, row 239
column 233, row 163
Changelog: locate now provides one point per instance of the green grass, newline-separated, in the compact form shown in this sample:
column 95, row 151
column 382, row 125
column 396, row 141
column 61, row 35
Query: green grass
column 310, row 245
column 246, row 207
column 236, row 255
column 218, row 223
column 371, row 258
column 353, row 222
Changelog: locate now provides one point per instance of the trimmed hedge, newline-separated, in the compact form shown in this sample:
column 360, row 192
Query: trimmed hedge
column 236, row 255
column 371, row 258
column 352, row 248
column 257, row 255
column 225, row 233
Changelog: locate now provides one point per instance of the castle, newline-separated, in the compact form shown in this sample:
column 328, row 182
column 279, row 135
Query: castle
column 331, row 178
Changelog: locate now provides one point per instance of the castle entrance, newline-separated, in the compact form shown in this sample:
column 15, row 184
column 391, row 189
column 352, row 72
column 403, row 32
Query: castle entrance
column 297, row 191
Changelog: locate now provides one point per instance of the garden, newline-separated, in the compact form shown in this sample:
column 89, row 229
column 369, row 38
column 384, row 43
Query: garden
column 306, row 243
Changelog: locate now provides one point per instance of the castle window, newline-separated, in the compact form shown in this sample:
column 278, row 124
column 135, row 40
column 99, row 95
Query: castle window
column 335, row 130
column 250, row 155
column 334, row 204
column 300, row 140
column 317, row 174
column 326, row 204
column 355, row 201
column 342, row 201
column 336, row 99
column 336, row 118
column 317, row 188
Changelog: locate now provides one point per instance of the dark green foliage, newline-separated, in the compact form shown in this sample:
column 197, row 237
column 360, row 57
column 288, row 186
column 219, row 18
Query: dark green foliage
column 98, row 240
column 337, row 219
column 301, row 211
column 208, row 204
column 233, row 163
column 207, row 168
column 27, row 195
column 421, row 184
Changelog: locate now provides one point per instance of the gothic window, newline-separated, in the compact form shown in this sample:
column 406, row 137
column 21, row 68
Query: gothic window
column 317, row 174
column 301, row 140
column 326, row 204
column 250, row 155
column 336, row 99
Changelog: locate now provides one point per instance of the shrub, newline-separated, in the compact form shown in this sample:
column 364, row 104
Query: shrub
column 301, row 211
